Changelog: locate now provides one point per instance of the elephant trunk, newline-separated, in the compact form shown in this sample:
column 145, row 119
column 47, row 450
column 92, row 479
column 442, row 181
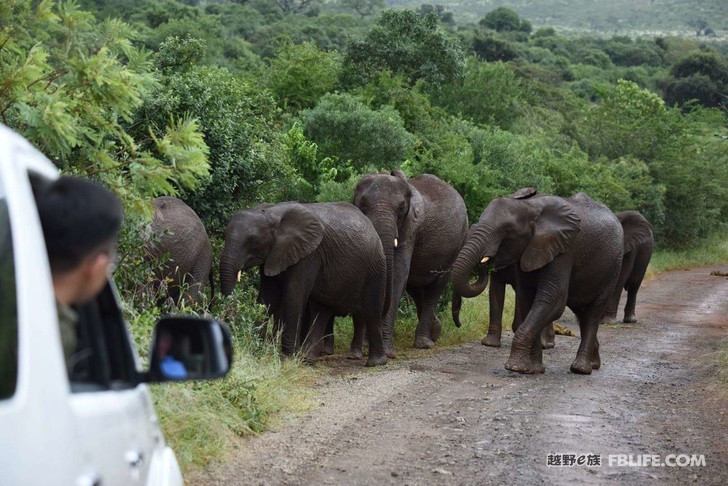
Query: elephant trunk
column 385, row 225
column 231, row 262
column 457, row 302
column 468, row 259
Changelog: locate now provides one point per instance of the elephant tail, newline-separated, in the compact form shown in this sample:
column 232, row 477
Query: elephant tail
column 457, row 302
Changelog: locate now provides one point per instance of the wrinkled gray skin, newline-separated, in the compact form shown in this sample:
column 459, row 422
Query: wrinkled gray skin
column 177, row 231
column 316, row 261
column 428, row 219
column 567, row 251
column 496, row 300
column 639, row 242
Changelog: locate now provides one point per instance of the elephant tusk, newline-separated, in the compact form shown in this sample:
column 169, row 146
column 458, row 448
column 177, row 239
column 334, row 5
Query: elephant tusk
column 485, row 259
column 240, row 275
column 395, row 243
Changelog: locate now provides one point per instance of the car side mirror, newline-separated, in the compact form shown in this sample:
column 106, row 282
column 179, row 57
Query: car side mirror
column 189, row 348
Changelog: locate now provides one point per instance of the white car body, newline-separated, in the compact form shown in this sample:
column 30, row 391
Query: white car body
column 49, row 433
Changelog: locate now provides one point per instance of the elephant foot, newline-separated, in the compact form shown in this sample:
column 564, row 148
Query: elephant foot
column 435, row 331
column 523, row 365
column 629, row 319
column 355, row 354
column 491, row 340
column 547, row 343
column 596, row 361
column 581, row 366
column 377, row 360
column 390, row 352
column 424, row 342
column 328, row 346
column 609, row 318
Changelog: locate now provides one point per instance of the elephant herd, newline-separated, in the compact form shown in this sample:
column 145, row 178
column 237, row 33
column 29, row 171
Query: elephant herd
column 322, row 260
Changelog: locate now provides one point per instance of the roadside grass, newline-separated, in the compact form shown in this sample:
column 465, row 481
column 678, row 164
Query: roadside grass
column 203, row 421
column 711, row 251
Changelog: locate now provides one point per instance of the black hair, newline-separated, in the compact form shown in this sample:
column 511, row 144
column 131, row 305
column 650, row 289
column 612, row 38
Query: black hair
column 78, row 218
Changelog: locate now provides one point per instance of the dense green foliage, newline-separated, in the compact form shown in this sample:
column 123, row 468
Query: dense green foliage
column 232, row 103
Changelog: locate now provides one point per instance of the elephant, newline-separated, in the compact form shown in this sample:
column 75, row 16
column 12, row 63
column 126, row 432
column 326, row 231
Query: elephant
column 422, row 223
column 566, row 251
column 496, row 301
column 639, row 242
column 316, row 261
column 177, row 232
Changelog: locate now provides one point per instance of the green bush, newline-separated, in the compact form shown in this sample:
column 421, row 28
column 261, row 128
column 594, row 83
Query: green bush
column 300, row 74
column 491, row 93
column 344, row 128
column 406, row 42
column 247, row 159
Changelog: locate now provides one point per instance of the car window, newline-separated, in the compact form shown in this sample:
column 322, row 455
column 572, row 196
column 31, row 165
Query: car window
column 8, row 304
column 95, row 342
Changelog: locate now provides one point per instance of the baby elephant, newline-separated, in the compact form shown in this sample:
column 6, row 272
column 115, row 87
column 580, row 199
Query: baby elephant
column 638, row 245
column 177, row 231
column 316, row 261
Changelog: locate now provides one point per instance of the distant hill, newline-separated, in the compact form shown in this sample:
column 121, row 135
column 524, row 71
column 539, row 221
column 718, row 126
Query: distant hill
column 683, row 17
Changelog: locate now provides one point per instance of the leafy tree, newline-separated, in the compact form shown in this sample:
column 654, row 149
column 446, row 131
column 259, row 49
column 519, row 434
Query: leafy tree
column 445, row 17
column 300, row 74
column 503, row 19
column 346, row 129
column 406, row 42
column 364, row 8
column 248, row 163
column 491, row 48
column 295, row 6
column 72, row 85
column 491, row 93
column 701, row 76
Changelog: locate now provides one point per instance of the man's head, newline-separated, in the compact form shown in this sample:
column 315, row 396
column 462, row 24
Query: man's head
column 80, row 221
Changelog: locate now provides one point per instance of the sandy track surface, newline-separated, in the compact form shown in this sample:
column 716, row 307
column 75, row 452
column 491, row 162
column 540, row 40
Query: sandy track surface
column 459, row 417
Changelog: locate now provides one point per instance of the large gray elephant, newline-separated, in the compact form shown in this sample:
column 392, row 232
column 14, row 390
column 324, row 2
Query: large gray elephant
column 422, row 223
column 316, row 261
column 177, row 231
column 567, row 252
column 639, row 242
column 496, row 301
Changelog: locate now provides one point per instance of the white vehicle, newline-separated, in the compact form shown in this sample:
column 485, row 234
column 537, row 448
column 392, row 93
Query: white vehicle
column 95, row 425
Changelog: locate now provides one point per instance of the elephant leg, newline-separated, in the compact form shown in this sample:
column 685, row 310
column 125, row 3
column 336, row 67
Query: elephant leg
column 401, row 270
column 496, row 299
column 318, row 319
column 610, row 315
column 544, row 307
column 269, row 295
column 357, row 340
column 298, row 285
column 634, row 282
column 587, row 356
column 372, row 323
column 429, row 327
column 328, row 345
column 548, row 336
column 629, row 316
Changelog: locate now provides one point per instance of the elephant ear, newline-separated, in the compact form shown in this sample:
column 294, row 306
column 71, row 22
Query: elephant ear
column 399, row 174
column 524, row 193
column 555, row 228
column 637, row 230
column 298, row 234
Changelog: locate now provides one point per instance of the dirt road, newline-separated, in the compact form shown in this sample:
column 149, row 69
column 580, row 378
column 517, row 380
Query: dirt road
column 459, row 417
